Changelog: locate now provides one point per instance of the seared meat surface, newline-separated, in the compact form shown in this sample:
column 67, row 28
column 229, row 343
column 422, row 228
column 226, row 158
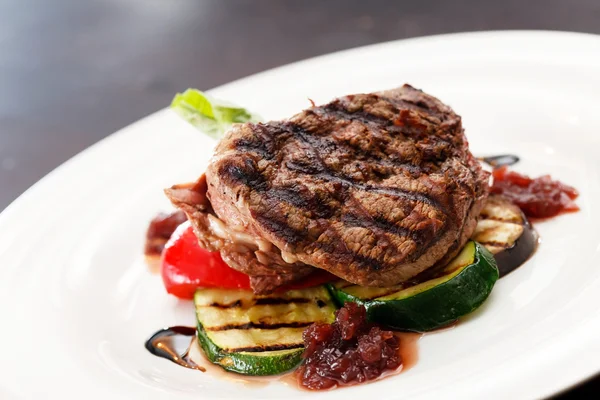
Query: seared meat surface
column 246, row 253
column 374, row 188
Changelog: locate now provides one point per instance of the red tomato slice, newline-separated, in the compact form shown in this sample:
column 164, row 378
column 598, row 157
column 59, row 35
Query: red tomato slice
column 186, row 266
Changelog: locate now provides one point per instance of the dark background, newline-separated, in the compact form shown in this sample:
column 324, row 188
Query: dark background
column 74, row 71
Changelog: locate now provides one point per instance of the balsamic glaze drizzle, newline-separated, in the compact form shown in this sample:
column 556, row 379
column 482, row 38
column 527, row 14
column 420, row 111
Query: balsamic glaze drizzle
column 500, row 160
column 162, row 344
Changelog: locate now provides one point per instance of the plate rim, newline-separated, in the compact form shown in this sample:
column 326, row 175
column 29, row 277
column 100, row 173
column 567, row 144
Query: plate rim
column 14, row 206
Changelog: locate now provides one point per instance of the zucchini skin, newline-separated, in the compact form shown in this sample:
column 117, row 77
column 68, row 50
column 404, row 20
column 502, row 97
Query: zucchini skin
column 437, row 306
column 248, row 363
column 273, row 343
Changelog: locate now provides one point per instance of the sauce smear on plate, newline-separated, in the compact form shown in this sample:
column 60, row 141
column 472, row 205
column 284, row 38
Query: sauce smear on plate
column 163, row 344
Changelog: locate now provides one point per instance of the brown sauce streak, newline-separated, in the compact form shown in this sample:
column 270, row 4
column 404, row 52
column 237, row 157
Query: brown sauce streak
column 161, row 344
column 500, row 160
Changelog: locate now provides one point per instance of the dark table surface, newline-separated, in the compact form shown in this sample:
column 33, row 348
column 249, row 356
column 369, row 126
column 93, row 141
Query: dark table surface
column 73, row 72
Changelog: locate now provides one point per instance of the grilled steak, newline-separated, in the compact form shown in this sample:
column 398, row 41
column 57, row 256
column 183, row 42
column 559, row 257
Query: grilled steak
column 375, row 188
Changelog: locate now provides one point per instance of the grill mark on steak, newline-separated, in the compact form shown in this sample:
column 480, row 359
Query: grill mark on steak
column 255, row 146
column 400, row 125
column 371, row 262
column 262, row 144
column 327, row 174
column 338, row 109
column 365, row 118
column 367, row 221
column 379, row 224
column 301, row 198
column 276, row 221
column 319, row 169
column 246, row 175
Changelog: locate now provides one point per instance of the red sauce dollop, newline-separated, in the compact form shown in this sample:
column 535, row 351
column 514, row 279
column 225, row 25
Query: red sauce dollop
column 351, row 350
column 540, row 197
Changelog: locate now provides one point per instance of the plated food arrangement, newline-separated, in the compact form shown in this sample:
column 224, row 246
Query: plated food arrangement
column 310, row 242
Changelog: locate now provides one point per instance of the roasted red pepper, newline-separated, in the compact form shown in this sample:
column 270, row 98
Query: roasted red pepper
column 186, row 266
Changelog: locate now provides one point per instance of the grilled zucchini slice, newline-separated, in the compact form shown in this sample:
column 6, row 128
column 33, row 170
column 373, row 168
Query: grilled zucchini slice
column 258, row 335
column 460, row 288
column 505, row 231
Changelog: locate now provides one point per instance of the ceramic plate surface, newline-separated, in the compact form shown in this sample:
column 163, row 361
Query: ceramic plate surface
column 77, row 301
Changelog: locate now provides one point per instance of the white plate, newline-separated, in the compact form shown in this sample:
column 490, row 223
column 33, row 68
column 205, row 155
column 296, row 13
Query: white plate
column 77, row 301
